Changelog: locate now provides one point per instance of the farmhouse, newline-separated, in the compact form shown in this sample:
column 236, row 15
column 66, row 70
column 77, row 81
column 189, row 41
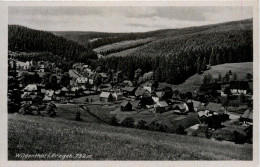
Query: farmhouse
column 247, row 117
column 161, row 106
column 126, row 106
column 49, row 95
column 179, row 108
column 128, row 91
column 106, row 97
column 238, row 87
column 81, row 80
column 216, row 108
column 117, row 95
column 142, row 93
column 158, row 96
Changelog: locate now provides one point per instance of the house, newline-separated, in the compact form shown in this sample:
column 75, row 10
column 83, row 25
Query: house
column 103, row 76
column 204, row 114
column 128, row 91
column 91, row 81
column 106, row 97
column 26, row 97
column 137, row 104
column 142, row 93
column 126, row 106
column 31, row 88
column 179, row 108
column 247, row 117
column 197, row 106
column 158, row 96
column 49, row 95
column 81, row 80
column 26, row 65
column 117, row 95
column 161, row 106
column 42, row 68
column 216, row 108
column 128, row 83
column 148, row 86
column 238, row 87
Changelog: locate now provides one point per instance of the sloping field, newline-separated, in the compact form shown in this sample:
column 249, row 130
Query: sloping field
column 119, row 46
column 43, row 135
column 194, row 82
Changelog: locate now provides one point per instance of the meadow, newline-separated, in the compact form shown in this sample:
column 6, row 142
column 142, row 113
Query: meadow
column 44, row 135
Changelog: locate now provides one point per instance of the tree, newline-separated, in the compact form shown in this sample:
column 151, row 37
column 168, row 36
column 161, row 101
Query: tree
column 219, row 77
column 65, row 80
column 77, row 118
column 204, row 64
column 180, row 130
column 141, row 124
column 212, row 59
column 199, row 66
column 114, row 121
column 249, row 76
column 234, row 76
column 227, row 77
column 97, row 80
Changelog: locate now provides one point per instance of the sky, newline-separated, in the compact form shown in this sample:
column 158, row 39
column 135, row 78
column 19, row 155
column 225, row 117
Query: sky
column 122, row 19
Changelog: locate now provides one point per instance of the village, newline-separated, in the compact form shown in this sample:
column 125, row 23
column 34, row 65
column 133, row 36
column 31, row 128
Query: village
column 218, row 111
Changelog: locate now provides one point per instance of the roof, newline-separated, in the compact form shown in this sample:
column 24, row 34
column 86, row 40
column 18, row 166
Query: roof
column 26, row 95
column 82, row 80
column 124, row 103
column 49, row 93
column 159, row 94
column 103, row 75
column 162, row 104
column 242, row 85
column 105, row 94
column 140, row 91
column 248, row 114
column 148, row 84
column 129, row 83
column 213, row 106
column 196, row 104
column 180, row 106
column 128, row 89
column 31, row 87
column 64, row 89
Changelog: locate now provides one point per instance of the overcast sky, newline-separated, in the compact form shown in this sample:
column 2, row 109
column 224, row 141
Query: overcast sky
column 122, row 19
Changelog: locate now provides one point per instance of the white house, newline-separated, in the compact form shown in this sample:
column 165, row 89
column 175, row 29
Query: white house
column 238, row 87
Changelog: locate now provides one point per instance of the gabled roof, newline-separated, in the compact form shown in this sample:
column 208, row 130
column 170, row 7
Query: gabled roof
column 103, row 75
column 242, row 85
column 49, row 93
column 64, row 89
column 213, row 106
column 162, row 104
column 82, row 80
column 178, row 106
column 159, row 94
column 140, row 91
column 128, row 89
column 105, row 94
column 125, row 103
column 248, row 114
column 31, row 87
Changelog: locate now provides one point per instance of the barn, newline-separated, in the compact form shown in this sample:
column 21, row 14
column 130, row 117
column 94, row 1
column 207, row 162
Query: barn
column 126, row 106
column 106, row 97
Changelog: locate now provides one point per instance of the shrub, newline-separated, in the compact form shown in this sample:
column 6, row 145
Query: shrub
column 239, row 138
column 141, row 124
column 114, row 121
column 180, row 130
column 128, row 122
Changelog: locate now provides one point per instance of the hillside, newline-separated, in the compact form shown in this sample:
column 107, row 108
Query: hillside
column 24, row 39
column 103, row 142
column 183, row 52
column 195, row 81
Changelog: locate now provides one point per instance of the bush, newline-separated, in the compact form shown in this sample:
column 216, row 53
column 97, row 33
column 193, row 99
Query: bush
column 141, row 124
column 114, row 121
column 239, row 138
column 128, row 122
column 181, row 130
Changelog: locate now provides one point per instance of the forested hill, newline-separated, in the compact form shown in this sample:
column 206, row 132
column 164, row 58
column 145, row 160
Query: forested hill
column 24, row 39
column 177, row 56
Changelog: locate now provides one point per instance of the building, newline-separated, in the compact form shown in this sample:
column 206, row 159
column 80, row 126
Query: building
column 179, row 108
column 129, row 91
column 81, row 80
column 103, row 76
column 197, row 106
column 216, row 108
column 117, row 95
column 148, row 86
column 126, row 106
column 31, row 88
column 247, row 117
column 238, row 87
column 49, row 95
column 26, row 97
column 42, row 68
column 158, row 96
column 106, row 97
column 161, row 106
column 142, row 93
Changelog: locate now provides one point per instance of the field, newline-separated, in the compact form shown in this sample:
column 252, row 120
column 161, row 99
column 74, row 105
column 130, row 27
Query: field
column 123, row 45
column 194, row 82
column 43, row 135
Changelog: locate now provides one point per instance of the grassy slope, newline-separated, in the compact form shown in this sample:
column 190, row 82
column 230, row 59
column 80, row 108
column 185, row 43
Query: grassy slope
column 194, row 82
column 31, row 134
